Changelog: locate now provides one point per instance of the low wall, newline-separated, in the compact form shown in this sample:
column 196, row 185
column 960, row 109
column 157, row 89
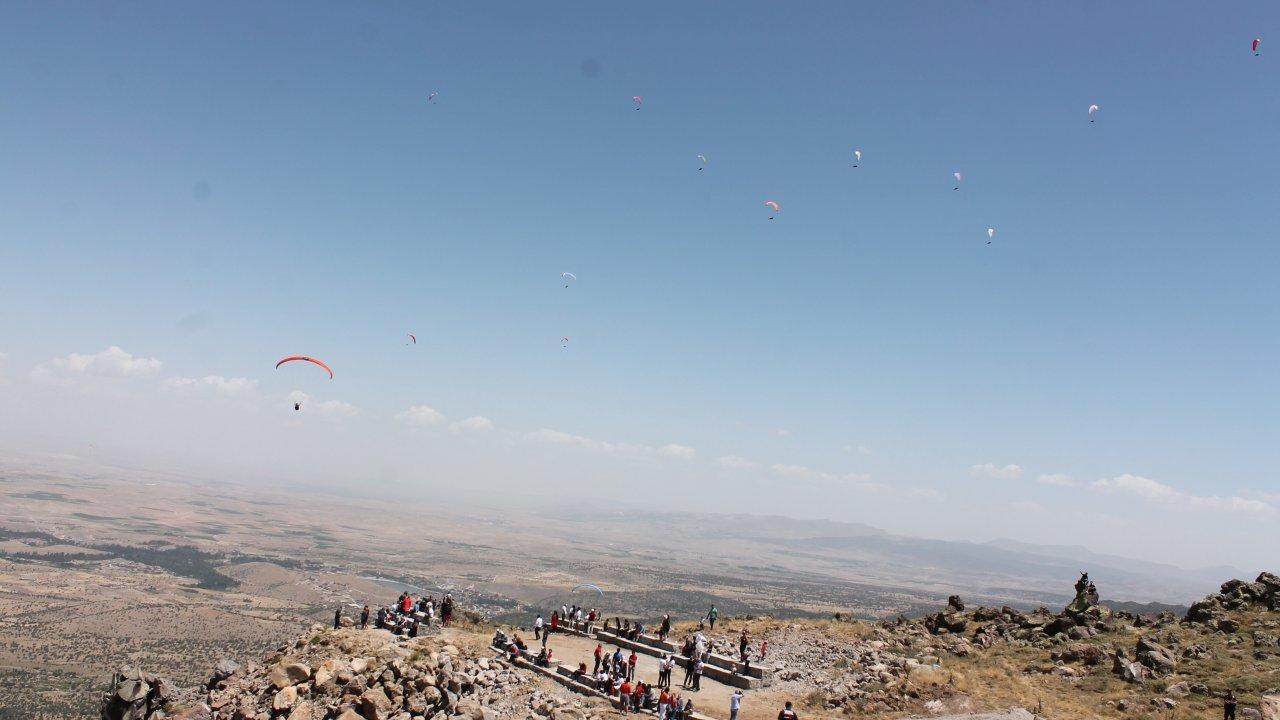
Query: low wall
column 714, row 672
column 563, row 674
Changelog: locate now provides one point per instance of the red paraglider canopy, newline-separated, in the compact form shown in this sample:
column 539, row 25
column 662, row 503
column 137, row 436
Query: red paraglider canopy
column 291, row 358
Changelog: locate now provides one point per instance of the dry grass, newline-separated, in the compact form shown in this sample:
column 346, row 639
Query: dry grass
column 1006, row 676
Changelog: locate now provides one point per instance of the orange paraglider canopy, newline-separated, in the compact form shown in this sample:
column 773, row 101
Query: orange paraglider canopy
column 291, row 358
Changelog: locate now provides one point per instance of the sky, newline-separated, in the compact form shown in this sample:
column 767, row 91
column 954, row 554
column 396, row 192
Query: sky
column 190, row 192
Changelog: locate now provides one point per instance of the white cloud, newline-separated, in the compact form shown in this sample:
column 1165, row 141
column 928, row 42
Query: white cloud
column 682, row 452
column 110, row 363
column 863, row 481
column 557, row 437
column 1058, row 479
column 735, row 462
column 475, row 423
column 335, row 409
column 420, row 416
column 1156, row 491
column 991, row 471
column 860, row 449
column 924, row 494
column 782, row 432
column 790, row 470
column 227, row 387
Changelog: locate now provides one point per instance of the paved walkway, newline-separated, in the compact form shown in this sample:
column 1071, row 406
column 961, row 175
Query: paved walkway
column 712, row 699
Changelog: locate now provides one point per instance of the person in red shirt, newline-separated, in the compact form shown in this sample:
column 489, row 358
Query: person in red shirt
column 598, row 653
column 787, row 713
column 406, row 604
column 631, row 666
column 624, row 696
column 555, row 620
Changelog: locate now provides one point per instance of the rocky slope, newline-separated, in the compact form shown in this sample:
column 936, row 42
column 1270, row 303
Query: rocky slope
column 351, row 674
column 1090, row 663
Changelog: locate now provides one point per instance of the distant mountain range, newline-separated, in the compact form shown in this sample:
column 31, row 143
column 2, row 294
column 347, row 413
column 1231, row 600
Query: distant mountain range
column 998, row 569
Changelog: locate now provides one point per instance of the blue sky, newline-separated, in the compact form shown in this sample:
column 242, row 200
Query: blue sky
column 217, row 186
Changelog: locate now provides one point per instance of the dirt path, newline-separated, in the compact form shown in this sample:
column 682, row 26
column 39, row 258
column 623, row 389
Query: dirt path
column 712, row 699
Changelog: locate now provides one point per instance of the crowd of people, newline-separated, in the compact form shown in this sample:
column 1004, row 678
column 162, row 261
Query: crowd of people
column 406, row 616
column 574, row 617
column 614, row 673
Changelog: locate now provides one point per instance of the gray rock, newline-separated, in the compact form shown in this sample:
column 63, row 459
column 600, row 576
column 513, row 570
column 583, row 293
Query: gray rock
column 225, row 669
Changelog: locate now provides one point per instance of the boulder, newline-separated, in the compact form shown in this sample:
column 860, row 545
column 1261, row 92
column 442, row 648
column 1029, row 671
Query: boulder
column 1270, row 704
column 289, row 674
column 1203, row 611
column 1082, row 653
column 285, row 699
column 1156, row 656
column 1178, row 690
column 1227, row 625
column 374, row 704
column 225, row 669
column 198, row 711
column 306, row 711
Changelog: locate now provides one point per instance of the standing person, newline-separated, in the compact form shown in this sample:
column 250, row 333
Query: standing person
column 545, row 637
column 787, row 713
column 624, row 696
column 599, row 653
column 631, row 665
column 591, row 621
column 1229, row 706
column 555, row 621
column 537, row 627
column 364, row 618
column 665, row 629
column 688, row 673
column 337, row 618
column 744, row 642
column 764, row 649
column 697, row 674
column 712, row 614
column 735, row 704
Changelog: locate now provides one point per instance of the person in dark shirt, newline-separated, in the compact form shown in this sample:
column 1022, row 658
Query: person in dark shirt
column 364, row 617
column 787, row 713
column 337, row 618
column 1229, row 706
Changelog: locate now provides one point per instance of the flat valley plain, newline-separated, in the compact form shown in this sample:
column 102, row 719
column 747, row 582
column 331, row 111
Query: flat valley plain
column 101, row 567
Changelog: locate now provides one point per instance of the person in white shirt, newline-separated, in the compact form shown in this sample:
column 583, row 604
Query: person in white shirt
column 537, row 627
column 735, row 704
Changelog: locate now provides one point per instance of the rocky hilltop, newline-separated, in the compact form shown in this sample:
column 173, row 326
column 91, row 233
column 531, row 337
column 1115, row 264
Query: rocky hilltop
column 349, row 674
column 1081, row 662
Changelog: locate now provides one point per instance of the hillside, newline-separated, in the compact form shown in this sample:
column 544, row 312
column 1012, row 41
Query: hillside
column 1084, row 663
